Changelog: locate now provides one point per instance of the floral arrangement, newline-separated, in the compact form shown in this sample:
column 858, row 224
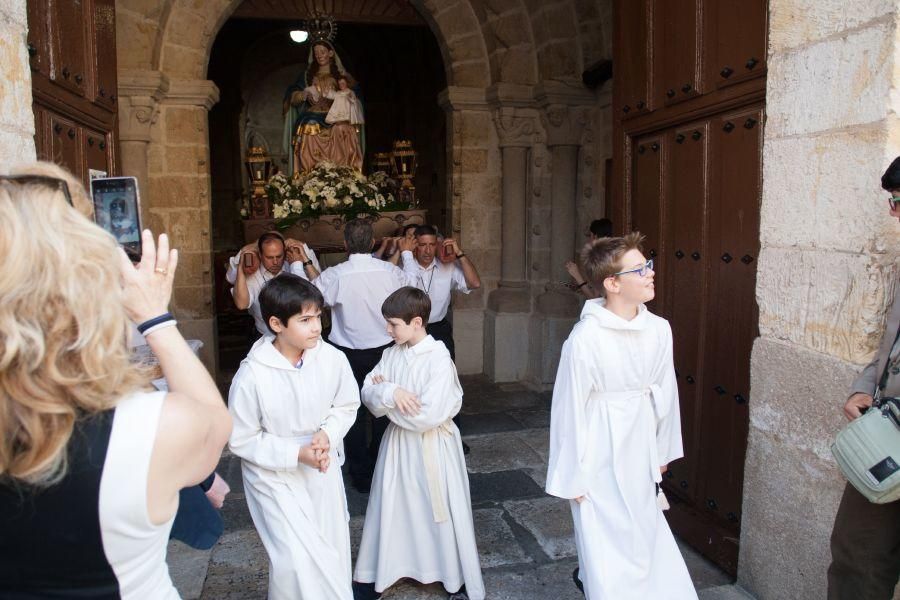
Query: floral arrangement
column 331, row 190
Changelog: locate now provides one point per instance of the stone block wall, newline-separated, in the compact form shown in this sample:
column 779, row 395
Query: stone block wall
column 16, row 118
column 827, row 269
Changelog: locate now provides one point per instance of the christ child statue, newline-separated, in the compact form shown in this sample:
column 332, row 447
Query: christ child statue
column 345, row 105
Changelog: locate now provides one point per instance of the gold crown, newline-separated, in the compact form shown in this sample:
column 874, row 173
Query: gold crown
column 321, row 28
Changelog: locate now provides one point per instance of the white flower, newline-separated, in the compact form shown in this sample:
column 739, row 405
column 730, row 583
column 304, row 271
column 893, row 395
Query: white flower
column 331, row 202
column 244, row 212
column 348, row 200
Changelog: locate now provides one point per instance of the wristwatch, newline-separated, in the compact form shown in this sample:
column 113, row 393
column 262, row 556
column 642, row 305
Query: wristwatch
column 307, row 263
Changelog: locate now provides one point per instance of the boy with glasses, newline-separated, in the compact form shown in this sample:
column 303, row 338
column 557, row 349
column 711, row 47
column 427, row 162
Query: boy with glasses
column 615, row 426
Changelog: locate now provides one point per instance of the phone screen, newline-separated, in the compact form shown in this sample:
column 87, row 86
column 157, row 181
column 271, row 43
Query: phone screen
column 117, row 209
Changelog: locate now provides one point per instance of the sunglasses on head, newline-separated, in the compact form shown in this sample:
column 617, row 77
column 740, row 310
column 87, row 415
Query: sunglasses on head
column 52, row 182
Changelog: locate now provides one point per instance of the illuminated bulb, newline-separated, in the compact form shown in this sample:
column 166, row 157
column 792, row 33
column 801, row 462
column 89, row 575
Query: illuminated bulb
column 299, row 36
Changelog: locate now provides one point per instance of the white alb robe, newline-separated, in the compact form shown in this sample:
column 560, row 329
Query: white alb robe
column 301, row 514
column 419, row 518
column 614, row 421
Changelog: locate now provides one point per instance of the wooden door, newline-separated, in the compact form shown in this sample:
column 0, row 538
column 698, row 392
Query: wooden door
column 71, row 45
column 687, row 173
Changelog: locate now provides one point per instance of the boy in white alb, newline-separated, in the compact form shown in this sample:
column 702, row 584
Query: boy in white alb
column 614, row 427
column 419, row 517
column 293, row 400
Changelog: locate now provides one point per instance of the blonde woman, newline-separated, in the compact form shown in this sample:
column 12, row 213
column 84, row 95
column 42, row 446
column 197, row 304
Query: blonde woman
column 90, row 461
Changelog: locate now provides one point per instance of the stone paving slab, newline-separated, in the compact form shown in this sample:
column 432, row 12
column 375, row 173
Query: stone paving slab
column 502, row 452
column 502, row 485
column 482, row 423
column 238, row 568
column 497, row 545
column 188, row 568
column 532, row 418
column 549, row 520
column 724, row 592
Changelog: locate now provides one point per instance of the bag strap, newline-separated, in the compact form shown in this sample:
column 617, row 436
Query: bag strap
column 882, row 381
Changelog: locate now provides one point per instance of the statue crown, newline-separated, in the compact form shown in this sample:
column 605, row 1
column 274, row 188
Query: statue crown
column 321, row 28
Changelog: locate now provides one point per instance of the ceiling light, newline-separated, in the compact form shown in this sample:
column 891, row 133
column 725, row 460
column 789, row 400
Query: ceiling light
column 299, row 36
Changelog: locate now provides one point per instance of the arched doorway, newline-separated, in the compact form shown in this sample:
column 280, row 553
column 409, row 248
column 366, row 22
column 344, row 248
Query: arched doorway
column 166, row 97
column 400, row 72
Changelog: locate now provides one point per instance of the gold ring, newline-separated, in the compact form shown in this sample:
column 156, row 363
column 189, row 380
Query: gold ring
column 160, row 270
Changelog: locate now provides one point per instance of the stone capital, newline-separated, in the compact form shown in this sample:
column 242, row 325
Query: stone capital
column 462, row 98
column 547, row 93
column 565, row 125
column 192, row 92
column 515, row 127
column 140, row 93
column 510, row 95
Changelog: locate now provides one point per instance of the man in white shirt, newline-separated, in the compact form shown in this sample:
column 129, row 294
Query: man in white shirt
column 270, row 253
column 355, row 291
column 439, row 278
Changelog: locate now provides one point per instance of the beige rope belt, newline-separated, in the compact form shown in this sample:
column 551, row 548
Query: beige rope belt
column 437, row 485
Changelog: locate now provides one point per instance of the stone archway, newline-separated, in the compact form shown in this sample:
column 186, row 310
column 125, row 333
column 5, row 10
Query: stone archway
column 515, row 115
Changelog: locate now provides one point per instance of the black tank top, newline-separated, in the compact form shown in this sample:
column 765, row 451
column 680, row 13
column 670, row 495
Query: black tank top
column 50, row 540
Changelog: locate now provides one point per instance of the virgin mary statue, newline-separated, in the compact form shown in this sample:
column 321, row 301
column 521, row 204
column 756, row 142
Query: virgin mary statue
column 310, row 136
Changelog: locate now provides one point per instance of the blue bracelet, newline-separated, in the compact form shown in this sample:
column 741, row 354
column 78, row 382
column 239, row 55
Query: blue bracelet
column 143, row 327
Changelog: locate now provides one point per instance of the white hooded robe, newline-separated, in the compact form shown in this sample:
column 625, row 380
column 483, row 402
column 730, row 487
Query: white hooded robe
column 301, row 514
column 614, row 422
column 419, row 518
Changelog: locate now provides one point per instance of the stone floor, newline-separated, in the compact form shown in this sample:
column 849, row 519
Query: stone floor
column 525, row 537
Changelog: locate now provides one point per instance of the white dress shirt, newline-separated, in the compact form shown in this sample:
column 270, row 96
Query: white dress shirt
column 437, row 280
column 256, row 281
column 355, row 291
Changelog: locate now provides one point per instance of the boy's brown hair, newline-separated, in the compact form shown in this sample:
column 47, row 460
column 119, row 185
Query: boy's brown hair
column 407, row 303
column 602, row 258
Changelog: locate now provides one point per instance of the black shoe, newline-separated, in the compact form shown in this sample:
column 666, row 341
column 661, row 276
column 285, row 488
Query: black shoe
column 577, row 581
column 465, row 448
column 365, row 591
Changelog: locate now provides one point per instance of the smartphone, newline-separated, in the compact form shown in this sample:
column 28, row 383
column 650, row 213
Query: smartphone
column 117, row 209
column 248, row 259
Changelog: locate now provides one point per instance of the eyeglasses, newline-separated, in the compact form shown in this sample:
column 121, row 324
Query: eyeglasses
column 53, row 182
column 893, row 201
column 641, row 270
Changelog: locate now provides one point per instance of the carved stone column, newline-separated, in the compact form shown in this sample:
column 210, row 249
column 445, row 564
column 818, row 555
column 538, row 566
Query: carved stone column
column 564, row 116
column 509, row 306
column 140, row 93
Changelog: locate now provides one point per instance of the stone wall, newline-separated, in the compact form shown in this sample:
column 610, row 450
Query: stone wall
column 827, row 269
column 16, row 118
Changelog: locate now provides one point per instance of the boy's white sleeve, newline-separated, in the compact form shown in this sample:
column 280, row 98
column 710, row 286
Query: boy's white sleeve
column 248, row 440
column 378, row 397
column 668, row 425
column 440, row 400
column 566, row 477
column 342, row 414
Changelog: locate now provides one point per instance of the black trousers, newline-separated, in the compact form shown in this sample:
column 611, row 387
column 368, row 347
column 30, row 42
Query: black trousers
column 361, row 452
column 865, row 549
column 442, row 331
